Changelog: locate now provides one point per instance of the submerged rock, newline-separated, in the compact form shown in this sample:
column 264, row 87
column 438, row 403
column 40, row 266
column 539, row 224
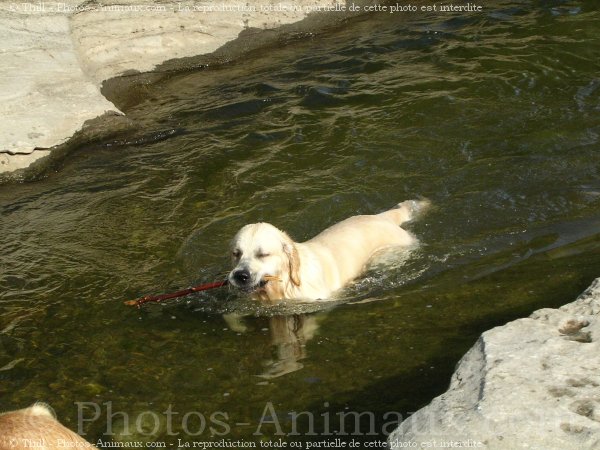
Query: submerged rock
column 533, row 383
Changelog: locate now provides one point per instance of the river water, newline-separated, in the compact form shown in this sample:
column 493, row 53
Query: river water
column 494, row 116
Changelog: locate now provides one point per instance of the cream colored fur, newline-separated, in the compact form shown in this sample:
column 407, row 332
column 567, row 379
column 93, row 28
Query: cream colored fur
column 315, row 269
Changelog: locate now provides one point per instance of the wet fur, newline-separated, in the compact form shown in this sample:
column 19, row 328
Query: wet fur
column 315, row 269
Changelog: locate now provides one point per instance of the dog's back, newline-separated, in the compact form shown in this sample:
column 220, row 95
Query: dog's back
column 347, row 246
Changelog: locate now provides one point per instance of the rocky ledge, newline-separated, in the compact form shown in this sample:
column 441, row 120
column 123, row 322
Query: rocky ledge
column 533, row 383
column 56, row 55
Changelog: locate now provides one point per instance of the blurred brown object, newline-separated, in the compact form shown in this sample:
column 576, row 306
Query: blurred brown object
column 37, row 428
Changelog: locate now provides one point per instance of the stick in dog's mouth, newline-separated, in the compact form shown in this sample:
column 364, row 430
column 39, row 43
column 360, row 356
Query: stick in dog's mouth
column 268, row 278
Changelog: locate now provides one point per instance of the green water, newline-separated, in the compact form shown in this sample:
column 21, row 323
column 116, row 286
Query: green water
column 494, row 116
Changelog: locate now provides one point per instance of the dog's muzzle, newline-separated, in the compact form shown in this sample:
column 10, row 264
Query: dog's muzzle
column 243, row 280
column 241, row 277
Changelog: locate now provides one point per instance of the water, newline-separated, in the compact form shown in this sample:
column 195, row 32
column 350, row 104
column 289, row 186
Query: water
column 493, row 116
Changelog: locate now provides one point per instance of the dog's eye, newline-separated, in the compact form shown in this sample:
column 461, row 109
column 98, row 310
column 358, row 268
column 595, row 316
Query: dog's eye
column 237, row 253
column 263, row 255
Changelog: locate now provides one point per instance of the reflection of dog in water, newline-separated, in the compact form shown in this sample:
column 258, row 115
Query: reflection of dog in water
column 35, row 427
column 269, row 265
column 289, row 336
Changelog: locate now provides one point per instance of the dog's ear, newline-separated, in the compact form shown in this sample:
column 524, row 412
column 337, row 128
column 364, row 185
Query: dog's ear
column 291, row 252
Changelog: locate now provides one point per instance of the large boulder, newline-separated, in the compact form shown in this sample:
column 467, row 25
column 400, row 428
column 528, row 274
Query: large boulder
column 533, row 383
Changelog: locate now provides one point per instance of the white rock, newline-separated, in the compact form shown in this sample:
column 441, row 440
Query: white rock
column 118, row 38
column 44, row 95
column 533, row 383
column 56, row 54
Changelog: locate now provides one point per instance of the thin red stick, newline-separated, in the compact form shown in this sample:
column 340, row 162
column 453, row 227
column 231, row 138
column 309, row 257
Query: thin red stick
column 159, row 298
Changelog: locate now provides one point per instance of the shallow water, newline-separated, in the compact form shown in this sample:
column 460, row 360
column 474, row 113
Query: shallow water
column 493, row 116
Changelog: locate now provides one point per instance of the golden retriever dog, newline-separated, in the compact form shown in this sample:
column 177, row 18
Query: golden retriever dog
column 35, row 427
column 270, row 266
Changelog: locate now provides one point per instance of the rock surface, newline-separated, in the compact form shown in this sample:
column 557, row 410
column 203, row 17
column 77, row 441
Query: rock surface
column 56, row 54
column 533, row 383
column 123, row 35
column 44, row 95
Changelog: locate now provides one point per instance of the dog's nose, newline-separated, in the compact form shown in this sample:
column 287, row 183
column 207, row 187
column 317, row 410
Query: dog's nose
column 241, row 276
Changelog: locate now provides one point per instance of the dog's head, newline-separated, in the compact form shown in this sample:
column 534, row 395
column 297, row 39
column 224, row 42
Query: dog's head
column 265, row 261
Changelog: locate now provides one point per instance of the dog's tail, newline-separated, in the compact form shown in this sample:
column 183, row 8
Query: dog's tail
column 407, row 210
